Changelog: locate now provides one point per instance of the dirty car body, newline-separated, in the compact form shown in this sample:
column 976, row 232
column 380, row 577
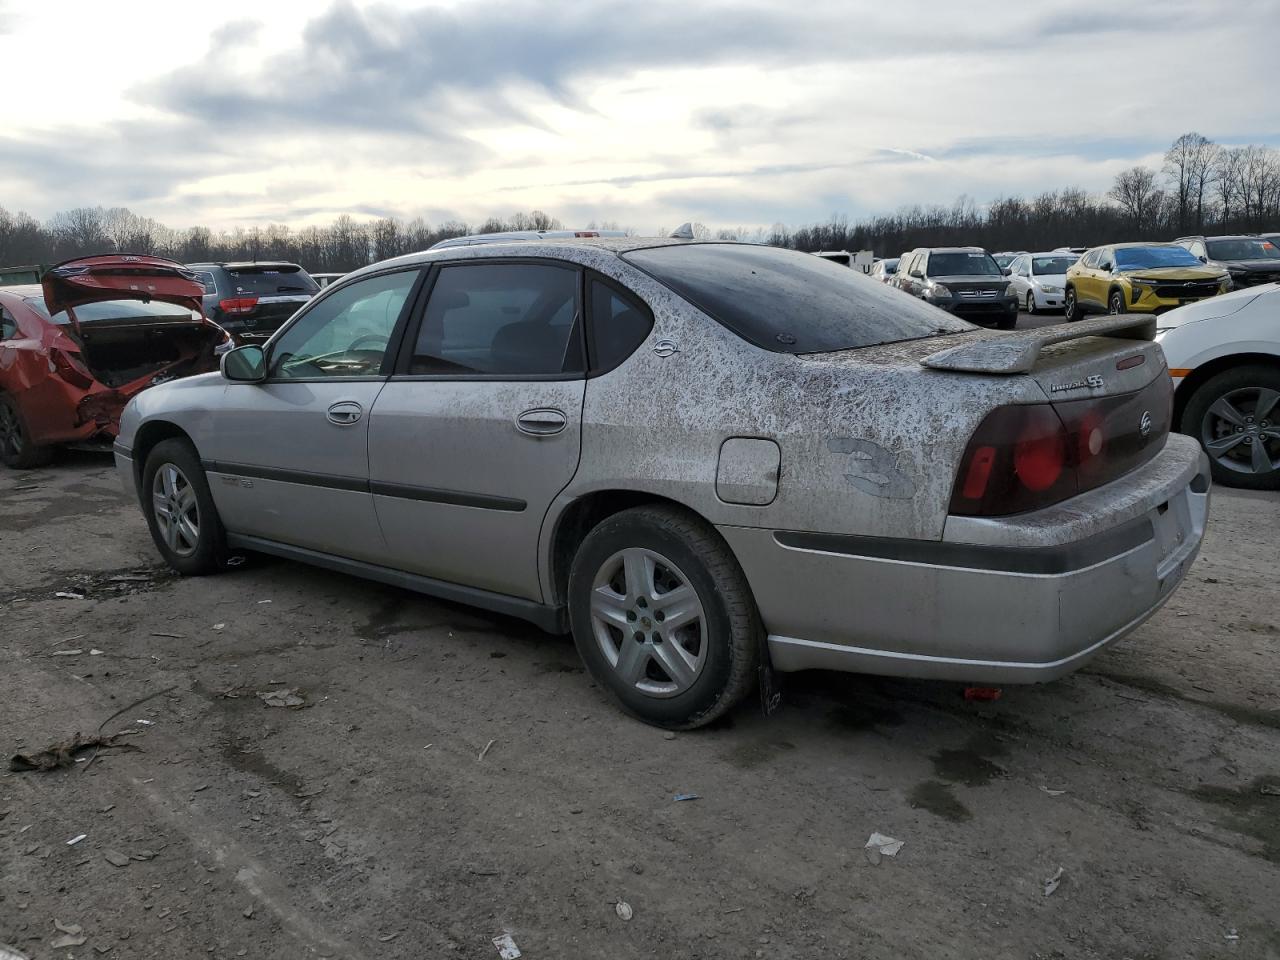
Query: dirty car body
column 98, row 331
column 698, row 457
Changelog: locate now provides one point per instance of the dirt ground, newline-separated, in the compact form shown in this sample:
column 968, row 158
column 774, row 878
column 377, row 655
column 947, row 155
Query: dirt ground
column 367, row 823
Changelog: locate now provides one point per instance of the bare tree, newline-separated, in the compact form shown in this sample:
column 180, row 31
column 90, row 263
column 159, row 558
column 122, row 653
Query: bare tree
column 1189, row 165
column 1136, row 192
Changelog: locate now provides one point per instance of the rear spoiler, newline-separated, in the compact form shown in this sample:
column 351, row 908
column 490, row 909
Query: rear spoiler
column 1017, row 352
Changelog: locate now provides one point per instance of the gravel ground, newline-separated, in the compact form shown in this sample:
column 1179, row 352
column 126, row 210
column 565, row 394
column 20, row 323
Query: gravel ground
column 367, row 823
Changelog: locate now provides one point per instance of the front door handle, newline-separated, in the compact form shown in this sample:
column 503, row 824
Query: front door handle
column 542, row 422
column 344, row 413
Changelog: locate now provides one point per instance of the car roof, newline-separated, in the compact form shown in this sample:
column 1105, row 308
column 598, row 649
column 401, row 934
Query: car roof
column 1136, row 243
column 245, row 264
column 952, row 249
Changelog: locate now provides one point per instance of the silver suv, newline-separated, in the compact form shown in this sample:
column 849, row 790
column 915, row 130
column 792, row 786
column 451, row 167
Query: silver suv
column 701, row 458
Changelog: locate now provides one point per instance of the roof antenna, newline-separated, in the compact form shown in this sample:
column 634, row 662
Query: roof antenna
column 683, row 232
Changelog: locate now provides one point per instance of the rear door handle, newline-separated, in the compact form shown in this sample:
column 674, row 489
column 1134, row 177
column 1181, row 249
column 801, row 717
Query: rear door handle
column 542, row 422
column 344, row 413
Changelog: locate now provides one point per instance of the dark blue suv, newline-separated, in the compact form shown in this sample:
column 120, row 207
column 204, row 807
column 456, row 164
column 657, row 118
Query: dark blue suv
column 251, row 300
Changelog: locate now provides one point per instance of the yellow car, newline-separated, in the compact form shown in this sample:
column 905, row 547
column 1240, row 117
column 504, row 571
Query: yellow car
column 1139, row 278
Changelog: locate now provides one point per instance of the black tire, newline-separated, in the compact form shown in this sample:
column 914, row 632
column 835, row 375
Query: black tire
column 1241, row 387
column 729, row 629
column 16, row 449
column 1115, row 302
column 1071, row 311
column 209, row 553
column 1007, row 322
column 1031, row 302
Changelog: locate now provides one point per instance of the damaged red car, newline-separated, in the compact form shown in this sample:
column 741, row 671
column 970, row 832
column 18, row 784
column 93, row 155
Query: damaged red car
column 94, row 334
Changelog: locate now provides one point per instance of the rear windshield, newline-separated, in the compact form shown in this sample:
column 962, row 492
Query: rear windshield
column 270, row 281
column 1052, row 265
column 791, row 302
column 968, row 264
column 1247, row 249
column 116, row 310
column 1137, row 258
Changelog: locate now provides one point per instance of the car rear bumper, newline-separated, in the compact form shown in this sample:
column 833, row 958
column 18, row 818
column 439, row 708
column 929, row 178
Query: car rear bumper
column 1016, row 600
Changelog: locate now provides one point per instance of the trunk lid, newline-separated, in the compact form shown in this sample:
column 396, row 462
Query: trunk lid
column 75, row 283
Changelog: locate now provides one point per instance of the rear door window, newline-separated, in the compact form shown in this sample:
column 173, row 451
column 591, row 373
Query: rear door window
column 8, row 325
column 270, row 281
column 787, row 301
column 501, row 319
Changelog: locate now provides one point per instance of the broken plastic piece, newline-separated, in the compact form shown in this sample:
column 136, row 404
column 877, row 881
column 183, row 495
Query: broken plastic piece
column 623, row 910
column 1051, row 883
column 507, row 948
column 878, row 845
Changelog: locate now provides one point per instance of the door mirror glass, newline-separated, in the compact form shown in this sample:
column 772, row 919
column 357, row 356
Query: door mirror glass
column 1006, row 271
column 1106, row 265
column 1202, row 258
column 917, row 273
column 247, row 364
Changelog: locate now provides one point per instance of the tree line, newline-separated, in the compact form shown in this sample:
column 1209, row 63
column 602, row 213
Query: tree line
column 1202, row 187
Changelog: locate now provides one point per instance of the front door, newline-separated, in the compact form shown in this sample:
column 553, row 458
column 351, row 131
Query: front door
column 288, row 460
column 480, row 427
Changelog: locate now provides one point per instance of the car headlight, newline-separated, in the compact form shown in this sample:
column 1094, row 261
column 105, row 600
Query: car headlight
column 1050, row 288
column 939, row 290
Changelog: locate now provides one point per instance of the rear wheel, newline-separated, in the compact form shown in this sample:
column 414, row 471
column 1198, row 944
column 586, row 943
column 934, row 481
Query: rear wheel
column 180, row 512
column 16, row 449
column 1071, row 306
column 1115, row 302
column 1236, row 417
column 663, row 617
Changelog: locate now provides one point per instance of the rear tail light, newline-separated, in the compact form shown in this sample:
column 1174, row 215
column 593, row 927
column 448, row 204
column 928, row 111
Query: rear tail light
column 1031, row 456
column 69, row 369
column 238, row 306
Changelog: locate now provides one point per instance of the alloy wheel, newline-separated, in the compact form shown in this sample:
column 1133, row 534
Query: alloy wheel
column 1115, row 304
column 177, row 511
column 11, row 440
column 1241, row 431
column 649, row 622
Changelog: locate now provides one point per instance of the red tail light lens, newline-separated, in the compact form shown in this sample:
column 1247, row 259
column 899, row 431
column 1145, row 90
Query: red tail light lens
column 1027, row 457
column 69, row 369
column 238, row 306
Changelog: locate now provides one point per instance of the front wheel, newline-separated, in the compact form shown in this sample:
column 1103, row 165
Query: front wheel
column 1071, row 306
column 663, row 617
column 1236, row 417
column 16, row 449
column 1031, row 302
column 180, row 511
column 1115, row 302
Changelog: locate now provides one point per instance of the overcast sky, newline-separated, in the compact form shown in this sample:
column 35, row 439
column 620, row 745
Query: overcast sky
column 649, row 113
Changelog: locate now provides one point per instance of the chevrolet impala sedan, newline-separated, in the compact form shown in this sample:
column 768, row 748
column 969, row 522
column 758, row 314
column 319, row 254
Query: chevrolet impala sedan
column 705, row 460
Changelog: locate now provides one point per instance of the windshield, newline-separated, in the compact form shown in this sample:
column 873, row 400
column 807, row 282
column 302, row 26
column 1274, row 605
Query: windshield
column 1137, row 258
column 115, row 310
column 791, row 302
column 890, row 267
column 1004, row 259
column 1052, row 265
column 270, row 281
column 975, row 264
column 1243, row 249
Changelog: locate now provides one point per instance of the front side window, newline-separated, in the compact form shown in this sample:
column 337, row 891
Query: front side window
column 347, row 333
column 619, row 324
column 495, row 319
column 8, row 325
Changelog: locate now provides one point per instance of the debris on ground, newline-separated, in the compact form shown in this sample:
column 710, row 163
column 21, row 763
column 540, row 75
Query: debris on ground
column 623, row 910
column 219, row 626
column 76, row 839
column 74, row 929
column 235, row 561
column 387, row 937
column 130, row 578
column 70, row 594
column 986, row 694
column 1231, row 935
column 1051, row 883
column 486, row 749
column 1270, row 791
column 669, row 735
column 65, row 653
column 287, row 697
column 63, row 753
column 116, row 858
column 679, row 797
column 68, row 939
column 171, row 636
column 1053, row 793
column 878, row 845
column 507, row 948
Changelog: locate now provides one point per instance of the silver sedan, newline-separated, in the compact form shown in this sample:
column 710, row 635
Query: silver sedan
column 706, row 460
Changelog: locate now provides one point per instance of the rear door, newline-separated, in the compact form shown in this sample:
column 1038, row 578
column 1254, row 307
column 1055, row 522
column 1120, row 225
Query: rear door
column 480, row 427
column 288, row 458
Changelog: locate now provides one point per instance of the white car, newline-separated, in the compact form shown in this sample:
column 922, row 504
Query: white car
column 1224, row 356
column 1039, row 278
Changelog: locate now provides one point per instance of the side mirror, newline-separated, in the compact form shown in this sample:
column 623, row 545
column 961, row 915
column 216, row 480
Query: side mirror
column 1203, row 259
column 247, row 364
column 1006, row 271
column 918, row 274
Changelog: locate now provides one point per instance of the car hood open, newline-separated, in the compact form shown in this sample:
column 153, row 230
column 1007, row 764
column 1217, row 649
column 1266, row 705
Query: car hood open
column 74, row 283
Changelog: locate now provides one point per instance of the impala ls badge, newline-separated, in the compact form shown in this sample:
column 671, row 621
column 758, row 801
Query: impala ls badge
column 1144, row 425
column 1093, row 381
column 665, row 348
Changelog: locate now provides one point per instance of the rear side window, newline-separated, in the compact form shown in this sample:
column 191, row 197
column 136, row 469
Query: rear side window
column 619, row 324
column 210, row 285
column 8, row 325
column 512, row 319
column 270, row 281
column 790, row 302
